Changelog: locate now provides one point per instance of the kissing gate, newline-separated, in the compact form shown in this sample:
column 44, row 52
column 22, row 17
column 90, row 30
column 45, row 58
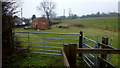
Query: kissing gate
column 52, row 43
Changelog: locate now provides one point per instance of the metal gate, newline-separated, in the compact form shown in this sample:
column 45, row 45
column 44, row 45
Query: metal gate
column 44, row 42
column 92, row 59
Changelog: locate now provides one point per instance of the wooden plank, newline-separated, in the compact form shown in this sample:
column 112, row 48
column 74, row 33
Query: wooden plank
column 66, row 63
column 109, row 65
column 101, row 51
column 106, row 46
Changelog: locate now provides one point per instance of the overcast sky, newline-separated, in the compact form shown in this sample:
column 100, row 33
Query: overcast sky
column 79, row 7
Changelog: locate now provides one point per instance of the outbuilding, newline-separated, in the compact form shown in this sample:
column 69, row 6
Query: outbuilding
column 40, row 23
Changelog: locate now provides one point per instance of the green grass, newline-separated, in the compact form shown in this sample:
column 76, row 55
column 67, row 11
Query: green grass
column 38, row 60
column 109, row 23
column 103, row 26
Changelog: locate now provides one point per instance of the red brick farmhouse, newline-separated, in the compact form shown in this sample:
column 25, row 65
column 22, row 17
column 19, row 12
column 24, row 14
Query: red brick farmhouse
column 40, row 23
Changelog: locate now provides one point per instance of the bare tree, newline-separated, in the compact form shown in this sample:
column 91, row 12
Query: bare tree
column 47, row 7
column 9, row 7
column 52, row 15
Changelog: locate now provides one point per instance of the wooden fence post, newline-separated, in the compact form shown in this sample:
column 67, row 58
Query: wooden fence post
column 71, row 53
column 104, row 56
column 80, row 42
column 28, row 48
column 65, row 53
column 66, row 50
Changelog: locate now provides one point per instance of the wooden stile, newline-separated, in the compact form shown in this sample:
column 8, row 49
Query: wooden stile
column 70, row 51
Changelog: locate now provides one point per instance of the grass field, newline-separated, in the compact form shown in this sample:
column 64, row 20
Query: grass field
column 103, row 26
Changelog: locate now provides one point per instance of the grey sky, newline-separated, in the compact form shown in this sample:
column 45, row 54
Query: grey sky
column 79, row 7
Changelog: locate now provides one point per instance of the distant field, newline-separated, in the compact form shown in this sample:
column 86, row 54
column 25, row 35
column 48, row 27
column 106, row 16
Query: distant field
column 103, row 26
column 108, row 23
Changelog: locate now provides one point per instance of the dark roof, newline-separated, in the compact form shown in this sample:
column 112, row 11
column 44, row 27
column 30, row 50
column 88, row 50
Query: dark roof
column 39, row 18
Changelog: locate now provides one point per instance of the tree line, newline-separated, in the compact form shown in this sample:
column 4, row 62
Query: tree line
column 98, row 14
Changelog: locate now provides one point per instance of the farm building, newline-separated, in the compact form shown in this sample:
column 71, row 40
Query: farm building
column 40, row 23
column 19, row 22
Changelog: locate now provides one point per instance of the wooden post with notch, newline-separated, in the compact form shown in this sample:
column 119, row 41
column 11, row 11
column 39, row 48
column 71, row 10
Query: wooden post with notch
column 66, row 50
column 104, row 56
column 65, row 53
column 71, row 53
column 80, row 42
